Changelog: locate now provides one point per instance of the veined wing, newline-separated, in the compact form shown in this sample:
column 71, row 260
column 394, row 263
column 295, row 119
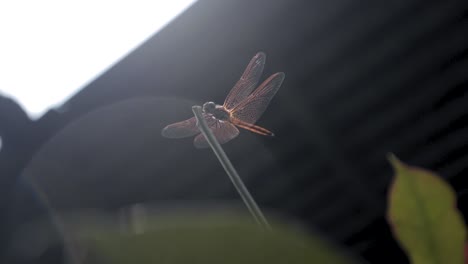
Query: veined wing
column 250, row 110
column 187, row 128
column 247, row 82
column 223, row 131
column 181, row 129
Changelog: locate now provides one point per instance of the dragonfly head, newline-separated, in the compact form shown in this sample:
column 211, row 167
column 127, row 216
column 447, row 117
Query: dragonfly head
column 209, row 107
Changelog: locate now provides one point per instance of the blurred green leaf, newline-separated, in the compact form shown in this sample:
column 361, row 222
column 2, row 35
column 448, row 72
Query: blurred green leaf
column 424, row 218
column 213, row 239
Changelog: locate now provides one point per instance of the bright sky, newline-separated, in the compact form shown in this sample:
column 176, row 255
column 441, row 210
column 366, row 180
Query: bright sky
column 51, row 48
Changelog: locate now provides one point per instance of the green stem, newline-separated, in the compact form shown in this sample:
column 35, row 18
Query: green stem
column 230, row 170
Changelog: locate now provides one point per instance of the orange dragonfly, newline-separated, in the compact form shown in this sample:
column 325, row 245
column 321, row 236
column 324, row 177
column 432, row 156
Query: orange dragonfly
column 242, row 108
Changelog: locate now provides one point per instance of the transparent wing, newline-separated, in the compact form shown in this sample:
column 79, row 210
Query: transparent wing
column 250, row 110
column 181, row 129
column 187, row 127
column 247, row 82
column 223, row 131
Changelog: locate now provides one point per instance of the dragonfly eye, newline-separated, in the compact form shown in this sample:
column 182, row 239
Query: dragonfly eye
column 208, row 107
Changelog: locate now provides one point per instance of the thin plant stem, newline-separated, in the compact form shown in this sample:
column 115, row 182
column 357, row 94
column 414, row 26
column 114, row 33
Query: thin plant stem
column 229, row 168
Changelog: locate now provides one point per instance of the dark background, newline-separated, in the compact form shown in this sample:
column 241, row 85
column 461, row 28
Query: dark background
column 363, row 78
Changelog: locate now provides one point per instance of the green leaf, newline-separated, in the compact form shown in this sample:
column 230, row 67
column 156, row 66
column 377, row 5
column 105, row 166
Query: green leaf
column 423, row 215
column 212, row 239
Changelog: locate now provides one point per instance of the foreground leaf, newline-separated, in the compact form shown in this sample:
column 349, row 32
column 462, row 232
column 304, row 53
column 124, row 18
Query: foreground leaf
column 424, row 218
column 213, row 239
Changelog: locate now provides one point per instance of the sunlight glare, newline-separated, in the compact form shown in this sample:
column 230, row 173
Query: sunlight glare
column 50, row 49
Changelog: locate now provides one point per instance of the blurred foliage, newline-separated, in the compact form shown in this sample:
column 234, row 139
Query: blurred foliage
column 424, row 218
column 209, row 239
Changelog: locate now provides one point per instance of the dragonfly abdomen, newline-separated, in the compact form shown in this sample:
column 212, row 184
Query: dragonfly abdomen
column 252, row 128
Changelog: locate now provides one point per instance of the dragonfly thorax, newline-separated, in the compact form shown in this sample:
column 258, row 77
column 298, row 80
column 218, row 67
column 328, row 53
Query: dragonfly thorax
column 218, row 111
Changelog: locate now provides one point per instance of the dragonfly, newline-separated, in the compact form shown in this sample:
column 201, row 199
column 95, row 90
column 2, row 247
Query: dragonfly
column 242, row 108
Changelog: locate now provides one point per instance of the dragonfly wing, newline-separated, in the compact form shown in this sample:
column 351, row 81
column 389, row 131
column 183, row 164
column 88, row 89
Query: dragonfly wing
column 186, row 128
column 223, row 131
column 247, row 82
column 250, row 110
column 181, row 129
